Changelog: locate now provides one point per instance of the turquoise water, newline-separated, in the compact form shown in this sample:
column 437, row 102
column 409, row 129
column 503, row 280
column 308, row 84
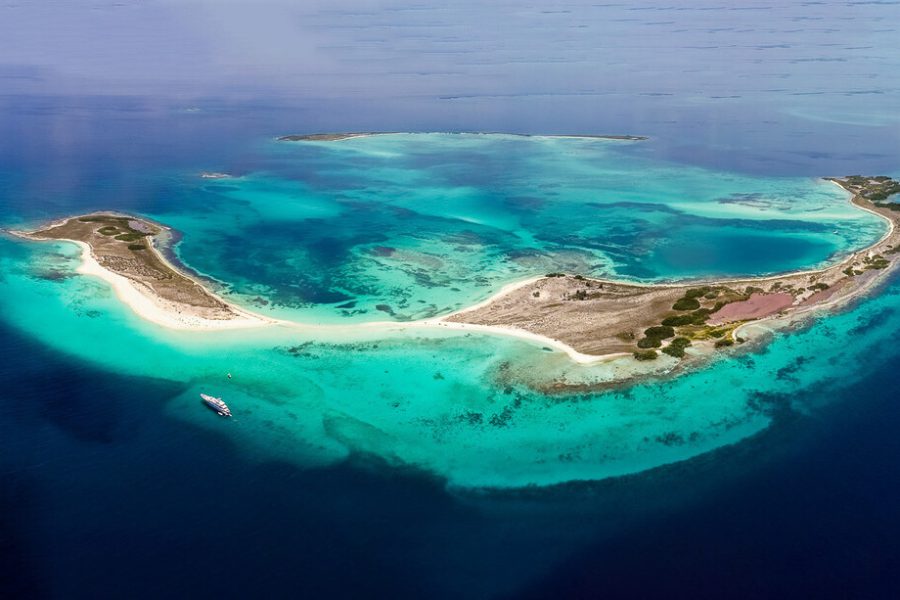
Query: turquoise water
column 457, row 405
column 332, row 480
column 411, row 226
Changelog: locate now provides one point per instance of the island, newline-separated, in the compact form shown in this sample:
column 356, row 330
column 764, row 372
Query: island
column 592, row 320
column 122, row 250
column 327, row 137
column 606, row 319
column 335, row 137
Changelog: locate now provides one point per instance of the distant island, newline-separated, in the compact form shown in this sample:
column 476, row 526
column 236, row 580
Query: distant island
column 590, row 319
column 328, row 137
column 334, row 137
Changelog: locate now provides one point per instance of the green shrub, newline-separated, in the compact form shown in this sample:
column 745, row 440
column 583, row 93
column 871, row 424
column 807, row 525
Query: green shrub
column 686, row 304
column 698, row 317
column 724, row 343
column 676, row 351
column 108, row 230
column 681, row 342
column 645, row 355
column 555, row 275
column 678, row 320
column 136, row 247
column 660, row 331
column 697, row 292
column 877, row 262
column 129, row 237
column 649, row 342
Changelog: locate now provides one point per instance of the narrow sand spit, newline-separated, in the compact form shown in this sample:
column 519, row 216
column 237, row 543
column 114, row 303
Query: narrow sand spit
column 151, row 307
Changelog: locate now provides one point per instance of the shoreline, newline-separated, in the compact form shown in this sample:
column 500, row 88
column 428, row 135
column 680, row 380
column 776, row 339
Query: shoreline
column 338, row 137
column 143, row 300
column 154, row 309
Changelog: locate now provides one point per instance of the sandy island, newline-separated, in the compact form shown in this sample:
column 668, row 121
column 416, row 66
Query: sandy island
column 591, row 320
column 119, row 249
column 336, row 137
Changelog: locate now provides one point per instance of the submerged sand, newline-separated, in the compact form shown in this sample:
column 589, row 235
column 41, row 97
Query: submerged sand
column 591, row 320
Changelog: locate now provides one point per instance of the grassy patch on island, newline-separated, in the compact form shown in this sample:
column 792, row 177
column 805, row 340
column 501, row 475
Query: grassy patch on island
column 645, row 355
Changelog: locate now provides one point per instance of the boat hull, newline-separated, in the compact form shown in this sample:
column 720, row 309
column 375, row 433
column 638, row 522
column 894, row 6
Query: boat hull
column 216, row 404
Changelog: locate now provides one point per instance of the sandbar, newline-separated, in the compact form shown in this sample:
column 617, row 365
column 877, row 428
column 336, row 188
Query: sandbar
column 336, row 137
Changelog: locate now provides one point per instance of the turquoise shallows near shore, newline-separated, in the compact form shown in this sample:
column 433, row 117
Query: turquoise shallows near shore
column 450, row 403
column 408, row 226
column 445, row 403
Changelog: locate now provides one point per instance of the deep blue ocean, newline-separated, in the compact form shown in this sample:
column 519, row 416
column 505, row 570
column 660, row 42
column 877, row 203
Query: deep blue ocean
column 105, row 494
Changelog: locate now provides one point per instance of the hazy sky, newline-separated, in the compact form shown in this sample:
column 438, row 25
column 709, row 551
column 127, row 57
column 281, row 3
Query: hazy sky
column 774, row 84
column 396, row 47
column 574, row 65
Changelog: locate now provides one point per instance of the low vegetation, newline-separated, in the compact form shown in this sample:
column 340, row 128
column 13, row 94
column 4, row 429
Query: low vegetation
column 683, row 342
column 686, row 304
column 649, row 342
column 698, row 317
column 697, row 292
column 876, row 262
column 655, row 335
column 709, row 332
column 874, row 189
column 645, row 355
column 130, row 237
column 673, row 351
column 99, row 219
column 701, row 302
column 660, row 331
column 676, row 347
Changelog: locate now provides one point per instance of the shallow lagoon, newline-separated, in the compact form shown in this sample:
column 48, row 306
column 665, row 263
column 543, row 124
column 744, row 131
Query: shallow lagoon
column 460, row 406
column 411, row 226
column 93, row 460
